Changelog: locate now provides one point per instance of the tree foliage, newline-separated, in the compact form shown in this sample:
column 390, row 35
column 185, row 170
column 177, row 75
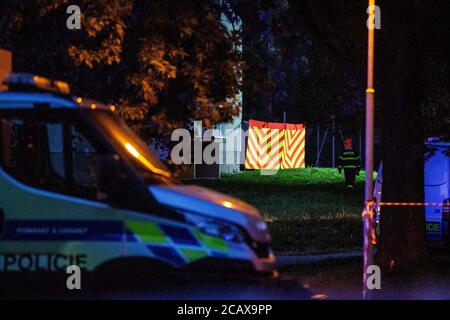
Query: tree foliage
column 164, row 63
column 292, row 68
column 410, row 58
column 312, row 63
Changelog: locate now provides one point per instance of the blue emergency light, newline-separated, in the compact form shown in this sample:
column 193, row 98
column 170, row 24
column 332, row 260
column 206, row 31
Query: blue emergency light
column 29, row 83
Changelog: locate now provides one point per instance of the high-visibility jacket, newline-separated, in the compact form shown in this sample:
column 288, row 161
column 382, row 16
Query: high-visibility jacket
column 349, row 160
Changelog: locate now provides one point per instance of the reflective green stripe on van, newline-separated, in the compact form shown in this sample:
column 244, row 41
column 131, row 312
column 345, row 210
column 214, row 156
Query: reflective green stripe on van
column 211, row 242
column 147, row 231
column 152, row 233
column 193, row 254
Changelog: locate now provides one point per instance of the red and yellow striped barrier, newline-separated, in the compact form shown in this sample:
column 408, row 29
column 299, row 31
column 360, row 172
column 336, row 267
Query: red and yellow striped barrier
column 272, row 146
column 294, row 147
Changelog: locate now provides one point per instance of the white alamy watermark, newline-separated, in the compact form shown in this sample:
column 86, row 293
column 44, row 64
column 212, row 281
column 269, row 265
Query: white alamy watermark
column 373, row 281
column 73, row 22
column 374, row 19
column 190, row 148
column 73, row 281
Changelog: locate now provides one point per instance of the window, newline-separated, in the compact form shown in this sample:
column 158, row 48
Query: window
column 85, row 164
column 55, row 138
column 145, row 162
column 50, row 153
column 19, row 149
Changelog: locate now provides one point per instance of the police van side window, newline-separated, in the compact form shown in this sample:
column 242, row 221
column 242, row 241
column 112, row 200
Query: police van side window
column 77, row 161
column 19, row 151
column 85, row 164
column 55, row 137
column 50, row 154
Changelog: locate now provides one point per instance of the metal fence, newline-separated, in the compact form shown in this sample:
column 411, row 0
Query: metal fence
column 325, row 145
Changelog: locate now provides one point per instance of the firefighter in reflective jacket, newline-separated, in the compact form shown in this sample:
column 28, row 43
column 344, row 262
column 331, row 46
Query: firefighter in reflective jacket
column 350, row 162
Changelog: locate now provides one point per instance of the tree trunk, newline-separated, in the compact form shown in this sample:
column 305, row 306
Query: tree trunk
column 403, row 239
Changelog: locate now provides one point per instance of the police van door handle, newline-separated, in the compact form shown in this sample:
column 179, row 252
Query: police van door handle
column 2, row 222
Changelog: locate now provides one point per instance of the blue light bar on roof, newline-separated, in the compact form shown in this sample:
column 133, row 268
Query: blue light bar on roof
column 30, row 81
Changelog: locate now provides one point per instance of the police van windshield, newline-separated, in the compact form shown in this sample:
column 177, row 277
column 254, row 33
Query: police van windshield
column 130, row 144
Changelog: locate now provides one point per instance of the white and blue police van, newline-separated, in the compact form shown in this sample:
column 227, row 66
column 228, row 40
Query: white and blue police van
column 436, row 187
column 78, row 187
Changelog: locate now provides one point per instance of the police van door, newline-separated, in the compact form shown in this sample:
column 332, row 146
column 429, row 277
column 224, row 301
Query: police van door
column 437, row 178
column 51, row 215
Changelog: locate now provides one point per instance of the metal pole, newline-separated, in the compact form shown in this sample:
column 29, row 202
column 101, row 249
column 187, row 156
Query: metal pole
column 318, row 146
column 370, row 99
column 321, row 147
column 333, row 144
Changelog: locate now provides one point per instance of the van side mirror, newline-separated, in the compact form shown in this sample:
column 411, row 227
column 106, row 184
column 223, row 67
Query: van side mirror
column 111, row 177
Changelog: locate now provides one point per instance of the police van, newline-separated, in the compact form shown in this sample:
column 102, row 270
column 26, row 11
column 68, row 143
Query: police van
column 437, row 190
column 78, row 187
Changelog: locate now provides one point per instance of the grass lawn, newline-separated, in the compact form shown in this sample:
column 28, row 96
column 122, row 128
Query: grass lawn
column 308, row 210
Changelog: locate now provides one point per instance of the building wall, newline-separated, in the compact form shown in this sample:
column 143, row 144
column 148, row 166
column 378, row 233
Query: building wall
column 230, row 149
